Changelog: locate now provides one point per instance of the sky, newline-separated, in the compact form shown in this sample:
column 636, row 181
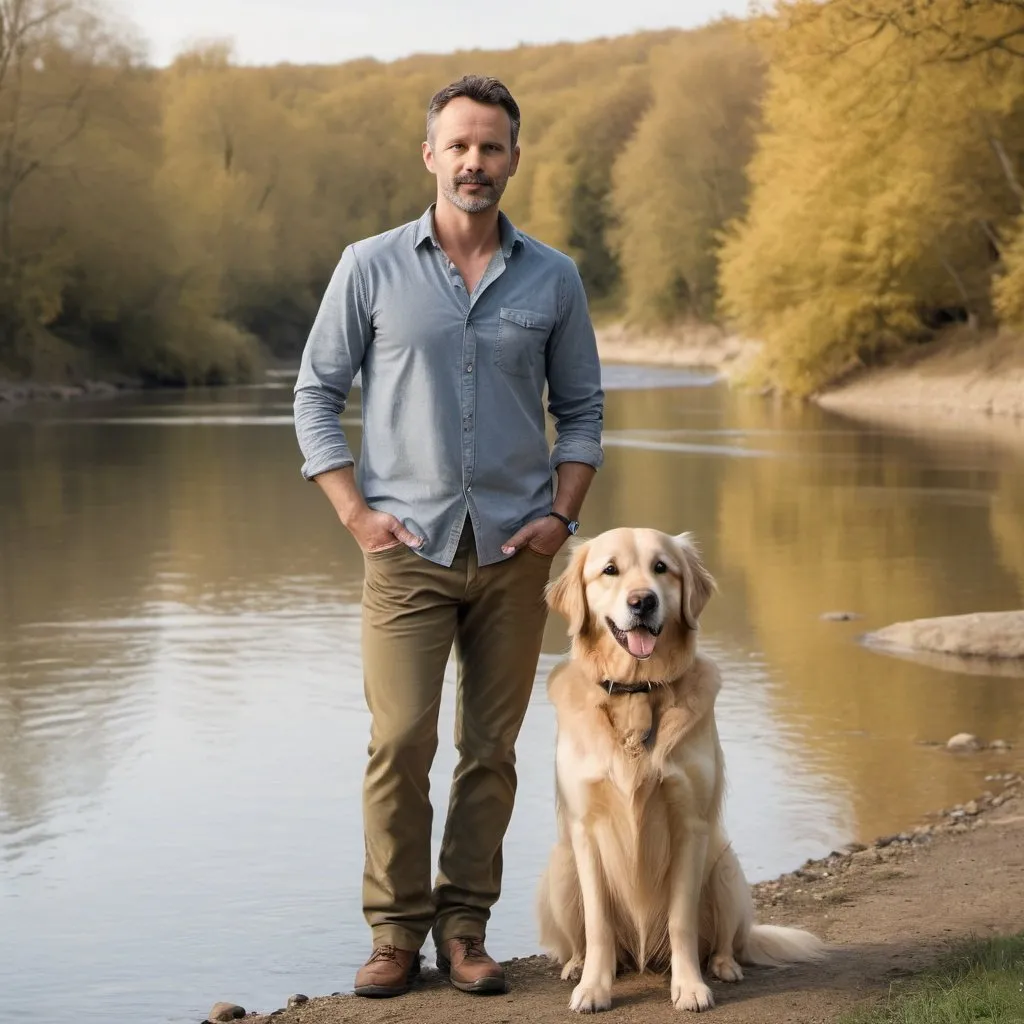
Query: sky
column 331, row 31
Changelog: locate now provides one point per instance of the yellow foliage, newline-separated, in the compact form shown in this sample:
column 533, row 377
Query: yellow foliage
column 875, row 192
column 1008, row 289
column 681, row 178
column 836, row 177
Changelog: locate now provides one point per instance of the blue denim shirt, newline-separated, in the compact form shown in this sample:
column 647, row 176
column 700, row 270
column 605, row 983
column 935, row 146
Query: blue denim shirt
column 452, row 384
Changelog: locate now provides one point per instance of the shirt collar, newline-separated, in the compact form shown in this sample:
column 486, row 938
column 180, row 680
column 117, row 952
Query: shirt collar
column 508, row 234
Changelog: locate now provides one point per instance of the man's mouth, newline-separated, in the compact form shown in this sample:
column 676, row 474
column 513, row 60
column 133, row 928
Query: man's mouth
column 639, row 641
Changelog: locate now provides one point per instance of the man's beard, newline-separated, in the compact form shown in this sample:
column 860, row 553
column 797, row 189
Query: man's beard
column 474, row 202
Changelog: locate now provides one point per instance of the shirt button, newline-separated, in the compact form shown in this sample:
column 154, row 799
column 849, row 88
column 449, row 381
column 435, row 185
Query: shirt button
column 469, row 488
column 469, row 368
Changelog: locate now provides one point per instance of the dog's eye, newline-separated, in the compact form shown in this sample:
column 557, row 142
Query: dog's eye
column 660, row 567
column 610, row 569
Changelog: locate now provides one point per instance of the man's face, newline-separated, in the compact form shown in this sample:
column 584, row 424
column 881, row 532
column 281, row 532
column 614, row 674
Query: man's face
column 470, row 152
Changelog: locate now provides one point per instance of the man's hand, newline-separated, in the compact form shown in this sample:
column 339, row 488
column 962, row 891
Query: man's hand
column 373, row 531
column 378, row 531
column 545, row 536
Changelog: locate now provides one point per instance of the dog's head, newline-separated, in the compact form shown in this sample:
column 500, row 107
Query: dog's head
column 639, row 588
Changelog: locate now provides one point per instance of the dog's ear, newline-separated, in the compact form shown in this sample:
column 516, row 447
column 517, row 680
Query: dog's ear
column 698, row 584
column 565, row 594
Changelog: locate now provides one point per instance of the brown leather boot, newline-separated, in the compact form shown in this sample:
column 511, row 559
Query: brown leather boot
column 389, row 972
column 469, row 968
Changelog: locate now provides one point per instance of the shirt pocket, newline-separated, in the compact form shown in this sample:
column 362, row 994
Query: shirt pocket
column 522, row 338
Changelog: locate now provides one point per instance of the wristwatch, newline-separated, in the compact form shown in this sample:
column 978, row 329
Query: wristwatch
column 572, row 525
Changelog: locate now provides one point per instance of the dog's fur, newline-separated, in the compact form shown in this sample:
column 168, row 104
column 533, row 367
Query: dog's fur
column 643, row 875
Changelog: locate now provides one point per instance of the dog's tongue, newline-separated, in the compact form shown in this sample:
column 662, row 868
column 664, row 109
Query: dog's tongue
column 641, row 643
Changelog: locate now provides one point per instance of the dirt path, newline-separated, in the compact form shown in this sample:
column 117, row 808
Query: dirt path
column 885, row 911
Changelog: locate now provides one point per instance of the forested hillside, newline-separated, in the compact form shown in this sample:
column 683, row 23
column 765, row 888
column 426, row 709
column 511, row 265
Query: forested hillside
column 835, row 178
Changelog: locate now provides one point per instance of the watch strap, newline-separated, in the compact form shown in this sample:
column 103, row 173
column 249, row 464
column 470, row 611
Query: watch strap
column 570, row 525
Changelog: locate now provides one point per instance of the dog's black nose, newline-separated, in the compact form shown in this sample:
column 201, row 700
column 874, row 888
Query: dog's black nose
column 642, row 601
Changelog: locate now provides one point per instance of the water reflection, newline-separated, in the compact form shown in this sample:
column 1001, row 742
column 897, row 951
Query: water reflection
column 182, row 730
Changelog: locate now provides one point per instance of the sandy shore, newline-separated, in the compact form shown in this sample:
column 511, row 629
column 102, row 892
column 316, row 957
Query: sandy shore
column 960, row 384
column 876, row 906
column 957, row 378
column 697, row 345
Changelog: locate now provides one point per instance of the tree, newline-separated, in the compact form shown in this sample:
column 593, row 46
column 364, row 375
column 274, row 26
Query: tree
column 878, row 201
column 682, row 177
column 49, row 54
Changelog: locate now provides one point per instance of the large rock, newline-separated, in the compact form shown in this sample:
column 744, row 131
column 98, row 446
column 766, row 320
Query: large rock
column 964, row 741
column 225, row 1012
column 994, row 635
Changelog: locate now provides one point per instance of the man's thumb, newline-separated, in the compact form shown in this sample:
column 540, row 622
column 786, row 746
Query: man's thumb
column 515, row 542
column 404, row 535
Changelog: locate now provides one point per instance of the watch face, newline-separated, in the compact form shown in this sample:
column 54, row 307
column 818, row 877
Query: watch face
column 573, row 526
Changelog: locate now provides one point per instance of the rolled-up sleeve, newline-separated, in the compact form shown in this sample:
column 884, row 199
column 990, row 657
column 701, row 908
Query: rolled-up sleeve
column 331, row 359
column 575, row 397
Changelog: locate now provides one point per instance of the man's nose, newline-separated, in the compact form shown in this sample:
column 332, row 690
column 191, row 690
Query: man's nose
column 642, row 601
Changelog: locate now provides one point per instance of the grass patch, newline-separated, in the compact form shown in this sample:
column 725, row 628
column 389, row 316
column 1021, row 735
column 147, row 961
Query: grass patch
column 978, row 981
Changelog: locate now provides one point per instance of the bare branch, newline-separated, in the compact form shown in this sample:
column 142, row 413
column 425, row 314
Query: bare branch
column 1007, row 166
column 994, row 240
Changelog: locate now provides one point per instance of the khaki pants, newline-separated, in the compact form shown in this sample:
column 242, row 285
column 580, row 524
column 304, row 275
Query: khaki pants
column 413, row 611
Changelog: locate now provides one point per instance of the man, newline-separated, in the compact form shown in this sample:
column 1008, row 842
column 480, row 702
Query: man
column 456, row 322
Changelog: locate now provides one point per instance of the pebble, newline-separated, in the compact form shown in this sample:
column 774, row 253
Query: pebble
column 963, row 741
column 226, row 1011
column 971, row 808
column 959, row 827
column 999, row 746
column 297, row 1000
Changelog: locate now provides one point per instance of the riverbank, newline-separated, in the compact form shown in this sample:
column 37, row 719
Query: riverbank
column 876, row 906
column 957, row 378
column 17, row 392
column 956, row 382
column 692, row 346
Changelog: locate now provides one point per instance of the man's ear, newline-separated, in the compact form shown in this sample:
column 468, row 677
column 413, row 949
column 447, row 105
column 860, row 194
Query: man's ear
column 427, row 151
column 566, row 594
column 697, row 583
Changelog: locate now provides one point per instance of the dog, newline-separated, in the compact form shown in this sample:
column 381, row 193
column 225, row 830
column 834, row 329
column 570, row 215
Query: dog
column 642, row 875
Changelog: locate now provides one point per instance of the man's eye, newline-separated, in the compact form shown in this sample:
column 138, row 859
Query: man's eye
column 660, row 567
column 610, row 570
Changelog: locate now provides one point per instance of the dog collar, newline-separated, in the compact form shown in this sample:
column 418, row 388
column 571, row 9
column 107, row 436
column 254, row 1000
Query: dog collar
column 614, row 688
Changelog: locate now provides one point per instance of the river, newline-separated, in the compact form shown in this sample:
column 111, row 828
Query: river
column 182, row 728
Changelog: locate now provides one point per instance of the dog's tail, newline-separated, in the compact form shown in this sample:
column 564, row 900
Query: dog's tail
column 770, row 945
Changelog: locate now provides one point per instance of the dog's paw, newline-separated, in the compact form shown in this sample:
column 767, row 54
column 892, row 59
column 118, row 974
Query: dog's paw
column 573, row 968
column 695, row 996
column 590, row 998
column 725, row 968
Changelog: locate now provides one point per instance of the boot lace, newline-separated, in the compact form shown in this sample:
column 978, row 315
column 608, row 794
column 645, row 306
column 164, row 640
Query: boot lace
column 384, row 953
column 473, row 949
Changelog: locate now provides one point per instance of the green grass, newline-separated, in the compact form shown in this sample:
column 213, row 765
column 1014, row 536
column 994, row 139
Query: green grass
column 979, row 981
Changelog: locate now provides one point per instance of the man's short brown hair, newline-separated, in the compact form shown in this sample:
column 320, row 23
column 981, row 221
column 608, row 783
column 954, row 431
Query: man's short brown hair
column 481, row 89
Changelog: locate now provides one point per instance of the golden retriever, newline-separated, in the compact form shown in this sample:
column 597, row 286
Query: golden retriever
column 642, row 875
